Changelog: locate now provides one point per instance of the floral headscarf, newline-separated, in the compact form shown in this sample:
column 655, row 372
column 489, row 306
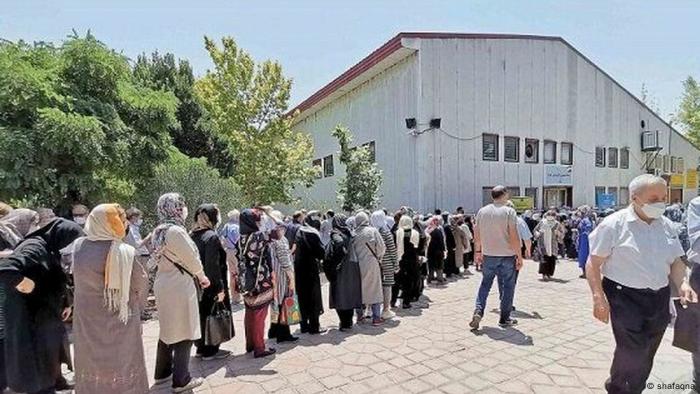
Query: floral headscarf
column 171, row 210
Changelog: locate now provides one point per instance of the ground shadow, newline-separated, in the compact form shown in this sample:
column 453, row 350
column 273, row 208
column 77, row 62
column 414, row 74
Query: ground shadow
column 520, row 314
column 555, row 280
column 510, row 335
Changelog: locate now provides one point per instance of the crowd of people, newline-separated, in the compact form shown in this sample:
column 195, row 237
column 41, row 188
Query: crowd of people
column 97, row 269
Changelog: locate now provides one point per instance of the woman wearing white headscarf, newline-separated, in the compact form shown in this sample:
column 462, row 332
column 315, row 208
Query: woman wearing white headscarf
column 110, row 291
column 547, row 233
column 176, row 294
column 409, row 243
column 369, row 248
column 389, row 262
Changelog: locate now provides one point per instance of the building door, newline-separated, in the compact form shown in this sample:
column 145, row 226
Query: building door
column 556, row 197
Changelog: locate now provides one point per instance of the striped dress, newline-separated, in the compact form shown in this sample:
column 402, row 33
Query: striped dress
column 282, row 265
column 390, row 262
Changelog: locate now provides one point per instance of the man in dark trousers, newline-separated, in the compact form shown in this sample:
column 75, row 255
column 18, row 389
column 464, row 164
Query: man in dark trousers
column 633, row 253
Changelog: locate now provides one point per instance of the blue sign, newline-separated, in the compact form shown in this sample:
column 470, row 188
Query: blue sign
column 605, row 200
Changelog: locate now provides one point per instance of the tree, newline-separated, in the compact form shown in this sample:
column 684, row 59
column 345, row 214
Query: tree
column 359, row 188
column 190, row 134
column 194, row 179
column 73, row 124
column 247, row 103
column 689, row 110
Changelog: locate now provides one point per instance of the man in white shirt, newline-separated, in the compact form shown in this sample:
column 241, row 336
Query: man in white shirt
column 497, row 252
column 633, row 253
column 694, row 262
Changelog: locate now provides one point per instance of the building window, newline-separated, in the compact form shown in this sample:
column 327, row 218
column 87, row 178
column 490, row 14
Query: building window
column 680, row 163
column 513, row 191
column 624, row 196
column 612, row 157
column 318, row 165
column 666, row 164
column 567, row 153
column 613, row 191
column 532, row 150
column 599, row 156
column 598, row 191
column 371, row 146
column 486, row 196
column 511, row 149
column 625, row 158
column 532, row 192
column 550, row 152
column 489, row 147
column 674, row 164
column 328, row 166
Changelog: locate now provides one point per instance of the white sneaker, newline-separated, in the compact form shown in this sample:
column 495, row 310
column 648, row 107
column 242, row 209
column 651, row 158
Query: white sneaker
column 194, row 383
column 388, row 314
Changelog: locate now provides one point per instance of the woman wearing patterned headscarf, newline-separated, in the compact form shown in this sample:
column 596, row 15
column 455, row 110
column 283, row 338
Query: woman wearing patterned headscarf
column 213, row 257
column 178, row 263
column 389, row 264
column 110, row 291
column 255, row 280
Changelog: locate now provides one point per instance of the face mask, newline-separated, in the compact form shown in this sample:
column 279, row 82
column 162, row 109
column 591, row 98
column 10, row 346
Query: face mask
column 654, row 210
column 139, row 223
column 79, row 220
column 185, row 212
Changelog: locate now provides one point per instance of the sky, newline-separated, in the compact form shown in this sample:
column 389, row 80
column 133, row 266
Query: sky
column 636, row 41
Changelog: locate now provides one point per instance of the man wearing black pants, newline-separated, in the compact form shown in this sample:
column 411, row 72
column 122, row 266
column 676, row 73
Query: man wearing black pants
column 633, row 253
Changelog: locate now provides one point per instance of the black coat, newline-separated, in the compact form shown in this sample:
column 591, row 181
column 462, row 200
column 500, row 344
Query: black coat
column 409, row 276
column 307, row 257
column 33, row 330
column 343, row 273
column 213, row 257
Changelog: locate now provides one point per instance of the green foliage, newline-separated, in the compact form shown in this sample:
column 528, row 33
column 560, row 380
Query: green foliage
column 190, row 134
column 247, row 102
column 359, row 188
column 194, row 179
column 74, row 125
column 689, row 110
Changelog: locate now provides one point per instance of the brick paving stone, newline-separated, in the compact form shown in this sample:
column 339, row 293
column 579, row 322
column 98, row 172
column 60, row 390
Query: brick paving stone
column 556, row 348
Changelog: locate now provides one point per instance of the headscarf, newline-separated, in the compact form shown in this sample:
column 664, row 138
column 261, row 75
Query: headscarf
column 361, row 219
column 378, row 220
column 433, row 223
column 390, row 222
column 339, row 223
column 248, row 221
column 17, row 224
column 58, row 234
column 172, row 211
column 350, row 222
column 313, row 222
column 105, row 223
column 206, row 217
column 406, row 224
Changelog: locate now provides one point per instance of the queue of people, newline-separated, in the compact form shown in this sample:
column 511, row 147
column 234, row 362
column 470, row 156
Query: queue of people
column 98, row 270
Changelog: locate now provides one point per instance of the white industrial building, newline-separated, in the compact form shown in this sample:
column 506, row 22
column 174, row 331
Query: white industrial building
column 528, row 112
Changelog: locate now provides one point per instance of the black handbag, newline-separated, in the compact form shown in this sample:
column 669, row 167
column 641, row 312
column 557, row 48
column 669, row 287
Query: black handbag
column 219, row 326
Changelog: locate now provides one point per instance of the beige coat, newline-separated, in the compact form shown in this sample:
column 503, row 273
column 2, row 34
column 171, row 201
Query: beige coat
column 462, row 245
column 368, row 242
column 176, row 294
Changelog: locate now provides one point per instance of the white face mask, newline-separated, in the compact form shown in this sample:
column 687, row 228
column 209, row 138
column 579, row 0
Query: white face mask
column 79, row 220
column 185, row 213
column 654, row 210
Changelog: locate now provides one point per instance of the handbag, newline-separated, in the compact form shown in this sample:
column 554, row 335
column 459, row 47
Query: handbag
column 219, row 326
column 290, row 313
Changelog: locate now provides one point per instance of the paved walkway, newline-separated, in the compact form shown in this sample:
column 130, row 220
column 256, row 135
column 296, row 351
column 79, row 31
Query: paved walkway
column 556, row 348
